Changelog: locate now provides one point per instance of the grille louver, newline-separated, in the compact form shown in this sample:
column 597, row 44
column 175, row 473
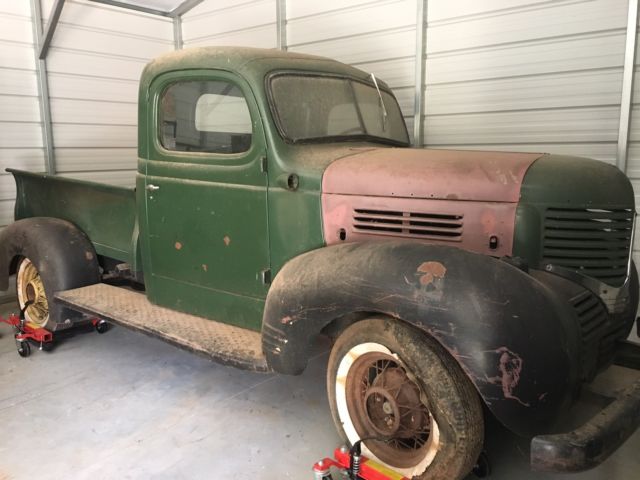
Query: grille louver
column 593, row 320
column 595, row 242
column 435, row 226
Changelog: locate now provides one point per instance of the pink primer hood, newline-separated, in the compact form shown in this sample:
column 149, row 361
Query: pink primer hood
column 430, row 174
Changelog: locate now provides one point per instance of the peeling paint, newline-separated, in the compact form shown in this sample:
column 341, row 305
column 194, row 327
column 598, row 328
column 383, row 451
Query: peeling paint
column 205, row 267
column 431, row 271
column 88, row 255
column 178, row 246
column 510, row 368
column 226, row 240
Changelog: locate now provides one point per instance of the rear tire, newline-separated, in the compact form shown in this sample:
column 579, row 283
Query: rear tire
column 388, row 380
column 53, row 256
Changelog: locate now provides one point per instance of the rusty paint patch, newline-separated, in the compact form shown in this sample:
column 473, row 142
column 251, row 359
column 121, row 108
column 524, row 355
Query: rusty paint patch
column 510, row 367
column 286, row 320
column 178, row 246
column 88, row 255
column 431, row 271
column 226, row 240
column 204, row 267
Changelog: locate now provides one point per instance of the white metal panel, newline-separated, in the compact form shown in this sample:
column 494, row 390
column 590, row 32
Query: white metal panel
column 548, row 20
column 91, row 112
column 94, row 137
column 525, row 75
column 20, row 135
column 15, row 29
column 17, row 108
column 231, row 19
column 263, row 36
column 22, row 159
column 83, row 87
column 351, row 22
column 586, row 52
column 370, row 47
column 537, row 126
column 95, row 61
column 18, row 82
column 562, row 90
column 16, row 56
column 75, row 159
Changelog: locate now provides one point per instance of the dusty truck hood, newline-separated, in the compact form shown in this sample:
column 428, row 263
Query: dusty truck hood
column 430, row 174
column 465, row 199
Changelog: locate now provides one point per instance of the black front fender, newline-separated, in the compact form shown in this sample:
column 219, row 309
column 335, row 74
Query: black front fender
column 512, row 336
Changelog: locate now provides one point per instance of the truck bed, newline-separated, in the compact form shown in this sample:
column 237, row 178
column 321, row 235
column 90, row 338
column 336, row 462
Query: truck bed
column 106, row 213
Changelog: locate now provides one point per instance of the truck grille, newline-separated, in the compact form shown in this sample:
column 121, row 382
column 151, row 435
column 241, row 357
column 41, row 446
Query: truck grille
column 593, row 323
column 434, row 226
column 595, row 242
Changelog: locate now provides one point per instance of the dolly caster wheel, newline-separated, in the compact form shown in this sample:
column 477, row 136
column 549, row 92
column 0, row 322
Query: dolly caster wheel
column 483, row 466
column 24, row 349
column 101, row 326
column 47, row 346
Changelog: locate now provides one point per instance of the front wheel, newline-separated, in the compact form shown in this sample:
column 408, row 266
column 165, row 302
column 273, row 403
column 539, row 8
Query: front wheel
column 406, row 397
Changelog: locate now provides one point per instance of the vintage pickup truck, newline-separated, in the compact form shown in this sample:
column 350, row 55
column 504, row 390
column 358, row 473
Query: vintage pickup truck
column 277, row 199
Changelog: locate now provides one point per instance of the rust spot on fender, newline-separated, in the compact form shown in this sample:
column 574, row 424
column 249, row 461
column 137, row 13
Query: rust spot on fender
column 178, row 246
column 286, row 320
column 226, row 240
column 431, row 271
column 88, row 255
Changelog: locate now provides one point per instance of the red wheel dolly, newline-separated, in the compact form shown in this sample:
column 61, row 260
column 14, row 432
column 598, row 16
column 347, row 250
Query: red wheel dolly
column 353, row 465
column 26, row 332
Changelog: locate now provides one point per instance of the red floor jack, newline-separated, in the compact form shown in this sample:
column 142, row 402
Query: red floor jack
column 353, row 466
column 26, row 332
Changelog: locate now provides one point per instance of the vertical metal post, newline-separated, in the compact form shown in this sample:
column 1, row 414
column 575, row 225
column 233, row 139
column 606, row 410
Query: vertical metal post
column 418, row 99
column 43, row 87
column 178, row 44
column 627, row 86
column 281, row 24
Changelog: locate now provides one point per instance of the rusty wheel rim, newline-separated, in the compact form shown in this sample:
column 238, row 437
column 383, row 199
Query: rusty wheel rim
column 31, row 288
column 384, row 402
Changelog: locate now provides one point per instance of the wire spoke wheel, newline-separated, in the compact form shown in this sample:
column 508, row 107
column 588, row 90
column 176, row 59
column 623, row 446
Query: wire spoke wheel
column 400, row 393
column 385, row 404
column 31, row 289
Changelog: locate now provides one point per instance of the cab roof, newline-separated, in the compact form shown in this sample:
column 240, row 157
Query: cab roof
column 253, row 63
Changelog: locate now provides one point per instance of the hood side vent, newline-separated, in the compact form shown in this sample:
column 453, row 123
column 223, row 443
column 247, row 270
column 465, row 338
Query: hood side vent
column 434, row 226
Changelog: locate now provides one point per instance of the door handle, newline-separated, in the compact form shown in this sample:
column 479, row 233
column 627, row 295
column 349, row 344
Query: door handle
column 152, row 188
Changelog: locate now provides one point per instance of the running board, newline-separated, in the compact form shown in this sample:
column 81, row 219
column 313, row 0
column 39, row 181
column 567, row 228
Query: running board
column 218, row 341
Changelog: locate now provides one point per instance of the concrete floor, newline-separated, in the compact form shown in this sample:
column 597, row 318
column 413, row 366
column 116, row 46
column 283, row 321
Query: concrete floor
column 122, row 405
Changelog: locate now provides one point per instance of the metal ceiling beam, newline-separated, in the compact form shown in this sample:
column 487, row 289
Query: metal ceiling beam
column 281, row 24
column 184, row 7
column 180, row 10
column 418, row 95
column 43, row 88
column 627, row 86
column 51, row 28
column 129, row 6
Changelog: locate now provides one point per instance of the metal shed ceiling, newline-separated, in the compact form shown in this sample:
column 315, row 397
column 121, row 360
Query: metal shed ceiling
column 169, row 8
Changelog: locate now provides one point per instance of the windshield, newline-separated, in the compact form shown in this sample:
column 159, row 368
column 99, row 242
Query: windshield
column 316, row 108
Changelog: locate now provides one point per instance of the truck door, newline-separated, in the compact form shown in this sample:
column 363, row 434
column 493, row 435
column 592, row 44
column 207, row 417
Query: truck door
column 206, row 198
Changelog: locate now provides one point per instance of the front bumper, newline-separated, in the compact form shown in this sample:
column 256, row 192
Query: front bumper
column 592, row 443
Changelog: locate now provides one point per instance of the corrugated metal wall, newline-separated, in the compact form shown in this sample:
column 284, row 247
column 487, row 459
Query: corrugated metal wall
column 94, row 64
column 525, row 75
column 21, row 143
column 533, row 75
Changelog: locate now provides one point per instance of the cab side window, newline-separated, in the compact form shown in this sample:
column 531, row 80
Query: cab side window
column 204, row 116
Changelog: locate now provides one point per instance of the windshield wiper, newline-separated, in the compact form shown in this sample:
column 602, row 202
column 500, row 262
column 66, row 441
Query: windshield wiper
column 384, row 110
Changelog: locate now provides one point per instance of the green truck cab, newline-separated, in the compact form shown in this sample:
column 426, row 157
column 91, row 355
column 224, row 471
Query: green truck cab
column 277, row 199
